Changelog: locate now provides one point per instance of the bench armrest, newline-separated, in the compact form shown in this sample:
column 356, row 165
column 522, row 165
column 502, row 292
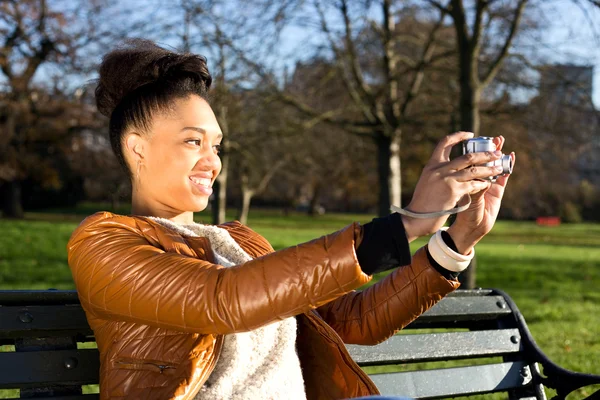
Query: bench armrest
column 562, row 380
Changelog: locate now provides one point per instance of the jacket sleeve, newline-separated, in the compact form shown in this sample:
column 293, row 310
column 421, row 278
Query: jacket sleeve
column 371, row 316
column 120, row 275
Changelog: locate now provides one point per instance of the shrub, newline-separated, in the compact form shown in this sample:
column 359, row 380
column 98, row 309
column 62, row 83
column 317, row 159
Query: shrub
column 570, row 212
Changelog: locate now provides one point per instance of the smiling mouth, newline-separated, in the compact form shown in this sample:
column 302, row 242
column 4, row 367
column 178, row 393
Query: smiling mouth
column 201, row 182
column 201, row 186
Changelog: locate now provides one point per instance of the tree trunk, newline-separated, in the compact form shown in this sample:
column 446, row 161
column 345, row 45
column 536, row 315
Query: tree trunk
column 389, row 172
column 247, row 193
column 469, row 108
column 314, row 200
column 395, row 181
column 12, row 207
column 469, row 115
column 244, row 209
column 219, row 202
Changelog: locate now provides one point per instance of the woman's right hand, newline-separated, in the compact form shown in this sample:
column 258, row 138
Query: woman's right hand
column 443, row 183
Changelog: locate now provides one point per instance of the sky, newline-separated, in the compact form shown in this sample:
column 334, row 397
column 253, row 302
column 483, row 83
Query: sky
column 572, row 35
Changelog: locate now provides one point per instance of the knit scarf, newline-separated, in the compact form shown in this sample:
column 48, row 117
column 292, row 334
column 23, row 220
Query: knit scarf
column 260, row 364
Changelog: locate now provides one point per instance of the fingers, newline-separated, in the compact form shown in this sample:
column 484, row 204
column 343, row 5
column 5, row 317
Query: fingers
column 474, row 187
column 442, row 150
column 469, row 174
column 476, row 195
column 499, row 142
column 470, row 159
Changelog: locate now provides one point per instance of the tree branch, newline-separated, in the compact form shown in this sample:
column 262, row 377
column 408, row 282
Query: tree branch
column 405, row 60
column 271, row 172
column 495, row 67
column 391, row 109
column 476, row 39
column 460, row 22
column 468, row 63
column 364, row 100
column 439, row 6
column 9, row 44
column 441, row 56
column 42, row 21
column 363, row 89
column 46, row 47
column 425, row 60
column 357, row 128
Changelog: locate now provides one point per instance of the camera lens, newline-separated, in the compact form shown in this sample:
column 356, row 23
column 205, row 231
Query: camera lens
column 507, row 165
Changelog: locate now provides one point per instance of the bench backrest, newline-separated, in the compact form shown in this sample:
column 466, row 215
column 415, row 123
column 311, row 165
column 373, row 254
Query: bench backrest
column 476, row 331
column 44, row 334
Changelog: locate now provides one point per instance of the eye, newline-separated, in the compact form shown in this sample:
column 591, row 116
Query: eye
column 217, row 148
column 195, row 142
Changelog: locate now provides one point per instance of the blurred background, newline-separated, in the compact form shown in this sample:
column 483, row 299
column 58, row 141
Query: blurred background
column 330, row 109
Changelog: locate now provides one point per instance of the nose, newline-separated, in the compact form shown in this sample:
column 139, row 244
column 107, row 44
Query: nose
column 212, row 160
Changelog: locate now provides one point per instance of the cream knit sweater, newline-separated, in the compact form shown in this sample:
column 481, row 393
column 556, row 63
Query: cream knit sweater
column 260, row 364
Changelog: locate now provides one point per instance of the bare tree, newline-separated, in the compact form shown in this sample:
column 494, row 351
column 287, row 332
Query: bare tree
column 480, row 58
column 262, row 142
column 249, row 188
column 334, row 164
column 384, row 105
column 210, row 28
column 32, row 33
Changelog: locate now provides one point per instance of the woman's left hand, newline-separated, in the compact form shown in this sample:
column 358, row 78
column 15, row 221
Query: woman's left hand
column 474, row 223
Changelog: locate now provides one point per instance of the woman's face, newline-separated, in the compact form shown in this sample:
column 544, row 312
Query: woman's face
column 179, row 158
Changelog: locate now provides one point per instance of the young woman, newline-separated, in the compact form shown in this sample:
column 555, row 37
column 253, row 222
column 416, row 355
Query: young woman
column 182, row 310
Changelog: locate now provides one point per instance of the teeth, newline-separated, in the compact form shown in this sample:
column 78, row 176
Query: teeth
column 201, row 181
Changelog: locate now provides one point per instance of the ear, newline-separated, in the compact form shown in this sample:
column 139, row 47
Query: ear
column 135, row 146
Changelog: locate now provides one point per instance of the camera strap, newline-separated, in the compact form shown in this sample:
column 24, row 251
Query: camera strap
column 437, row 214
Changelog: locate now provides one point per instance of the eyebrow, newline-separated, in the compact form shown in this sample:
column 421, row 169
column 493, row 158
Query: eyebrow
column 199, row 130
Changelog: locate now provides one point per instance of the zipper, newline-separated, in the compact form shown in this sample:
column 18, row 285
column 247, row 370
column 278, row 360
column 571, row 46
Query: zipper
column 332, row 335
column 142, row 364
column 163, row 367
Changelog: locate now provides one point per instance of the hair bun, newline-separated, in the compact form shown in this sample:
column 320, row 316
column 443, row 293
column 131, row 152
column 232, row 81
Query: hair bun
column 140, row 62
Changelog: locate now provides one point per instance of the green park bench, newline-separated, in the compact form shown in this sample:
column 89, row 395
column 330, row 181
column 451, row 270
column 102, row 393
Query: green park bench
column 44, row 334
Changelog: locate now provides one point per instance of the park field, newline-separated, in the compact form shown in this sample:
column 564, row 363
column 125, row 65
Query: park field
column 552, row 273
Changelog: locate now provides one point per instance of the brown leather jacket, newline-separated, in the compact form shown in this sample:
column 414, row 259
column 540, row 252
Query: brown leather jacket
column 159, row 306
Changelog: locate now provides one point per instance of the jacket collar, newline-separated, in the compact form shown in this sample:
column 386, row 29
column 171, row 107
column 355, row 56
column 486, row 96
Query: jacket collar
column 226, row 250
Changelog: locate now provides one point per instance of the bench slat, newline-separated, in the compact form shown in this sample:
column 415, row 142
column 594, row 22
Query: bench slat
column 60, row 318
column 41, row 368
column 38, row 297
column 454, row 381
column 467, row 308
column 470, row 292
column 438, row 346
column 53, row 320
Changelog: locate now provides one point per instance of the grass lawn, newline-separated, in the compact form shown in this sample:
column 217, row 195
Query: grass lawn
column 552, row 273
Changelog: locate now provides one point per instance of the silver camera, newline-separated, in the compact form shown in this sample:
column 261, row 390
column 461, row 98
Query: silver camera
column 482, row 143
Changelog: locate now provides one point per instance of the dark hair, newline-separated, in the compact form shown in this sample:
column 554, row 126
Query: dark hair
column 139, row 79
